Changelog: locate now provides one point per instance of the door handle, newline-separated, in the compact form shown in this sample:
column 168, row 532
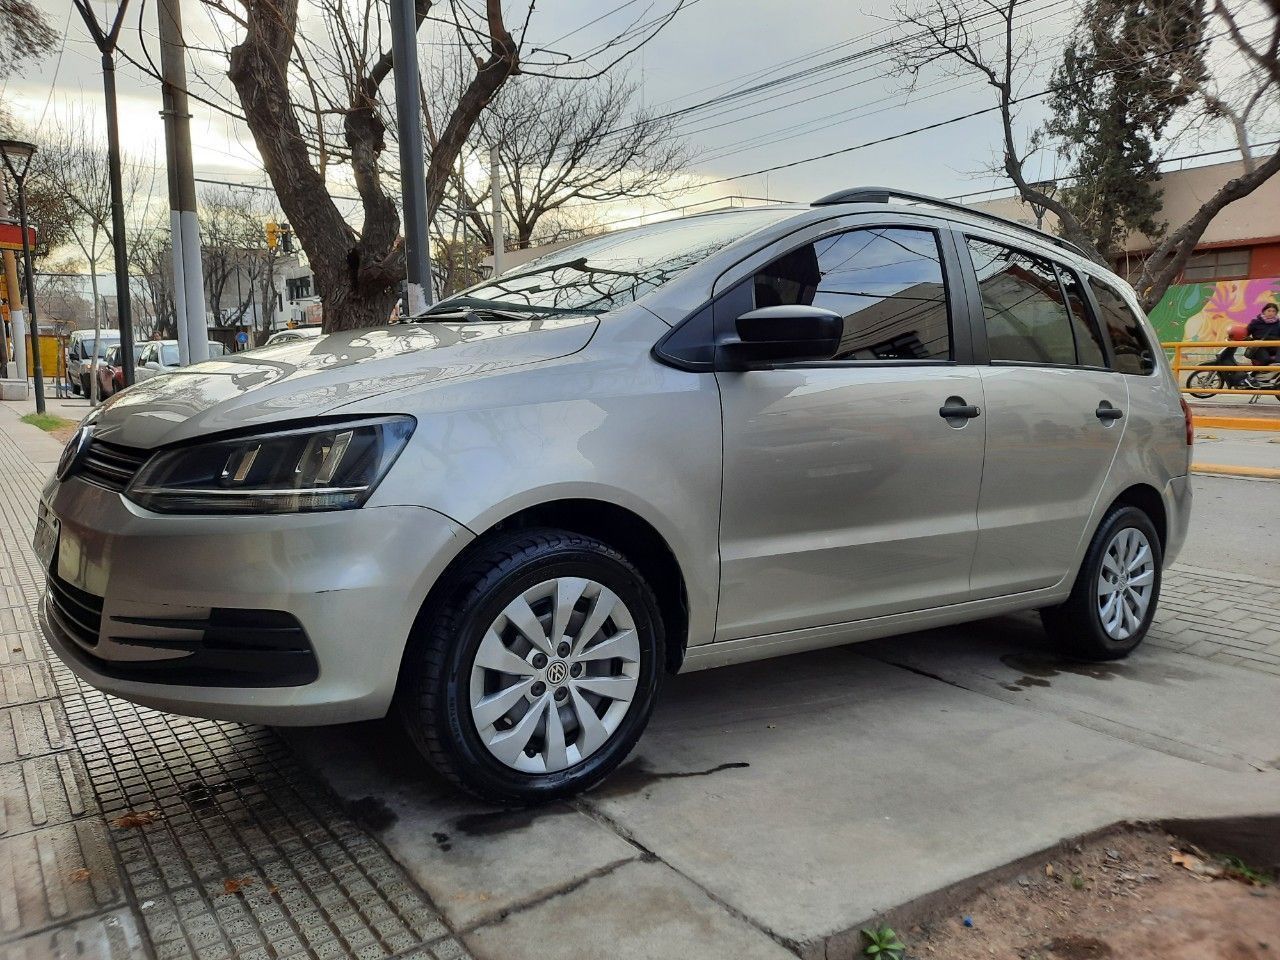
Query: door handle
column 1107, row 412
column 959, row 411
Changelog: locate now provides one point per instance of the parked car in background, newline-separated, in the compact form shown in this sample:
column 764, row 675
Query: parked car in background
column 80, row 350
column 693, row 443
column 292, row 334
column 161, row 356
column 111, row 369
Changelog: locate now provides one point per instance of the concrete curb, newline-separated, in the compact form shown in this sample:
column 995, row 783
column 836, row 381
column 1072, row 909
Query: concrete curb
column 1268, row 423
column 1232, row 470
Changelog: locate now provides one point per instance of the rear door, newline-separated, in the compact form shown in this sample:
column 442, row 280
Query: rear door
column 847, row 494
column 1055, row 415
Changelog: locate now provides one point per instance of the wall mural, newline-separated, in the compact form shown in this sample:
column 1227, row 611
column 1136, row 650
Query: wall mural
column 1206, row 311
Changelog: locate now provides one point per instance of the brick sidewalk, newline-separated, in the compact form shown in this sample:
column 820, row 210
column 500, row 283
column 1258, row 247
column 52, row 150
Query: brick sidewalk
column 238, row 851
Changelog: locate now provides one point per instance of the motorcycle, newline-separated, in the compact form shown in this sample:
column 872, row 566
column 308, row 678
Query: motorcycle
column 1209, row 380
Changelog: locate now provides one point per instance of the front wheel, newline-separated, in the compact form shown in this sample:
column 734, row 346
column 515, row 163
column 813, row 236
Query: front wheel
column 1115, row 594
column 1204, row 380
column 534, row 673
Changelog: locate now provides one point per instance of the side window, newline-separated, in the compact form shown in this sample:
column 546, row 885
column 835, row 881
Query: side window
column 74, row 352
column 148, row 354
column 1027, row 320
column 1128, row 342
column 1088, row 336
column 887, row 282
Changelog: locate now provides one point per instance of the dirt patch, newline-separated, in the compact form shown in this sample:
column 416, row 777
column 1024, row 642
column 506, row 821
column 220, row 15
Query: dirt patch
column 1120, row 896
column 63, row 434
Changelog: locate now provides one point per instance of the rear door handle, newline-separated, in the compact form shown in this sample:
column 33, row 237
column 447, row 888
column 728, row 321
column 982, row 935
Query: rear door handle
column 959, row 411
column 1107, row 412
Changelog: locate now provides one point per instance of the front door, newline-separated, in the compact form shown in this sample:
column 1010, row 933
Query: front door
column 1055, row 416
column 847, row 493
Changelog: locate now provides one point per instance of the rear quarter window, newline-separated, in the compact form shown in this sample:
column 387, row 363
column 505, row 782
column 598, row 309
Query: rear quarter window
column 1131, row 351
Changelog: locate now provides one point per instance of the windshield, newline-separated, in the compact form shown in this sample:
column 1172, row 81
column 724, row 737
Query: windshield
column 611, row 271
column 169, row 355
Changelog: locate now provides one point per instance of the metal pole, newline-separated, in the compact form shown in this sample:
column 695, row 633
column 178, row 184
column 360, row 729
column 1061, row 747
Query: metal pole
column 173, row 67
column 124, row 307
column 36, row 372
column 413, row 174
column 175, row 235
column 495, row 198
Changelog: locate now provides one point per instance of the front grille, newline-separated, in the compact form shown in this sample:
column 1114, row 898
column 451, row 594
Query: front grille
column 78, row 614
column 109, row 465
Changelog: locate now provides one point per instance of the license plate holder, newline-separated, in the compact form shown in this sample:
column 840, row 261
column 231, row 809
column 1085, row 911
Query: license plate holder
column 45, row 540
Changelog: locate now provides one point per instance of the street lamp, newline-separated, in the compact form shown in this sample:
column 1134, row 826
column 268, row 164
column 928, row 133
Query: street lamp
column 17, row 159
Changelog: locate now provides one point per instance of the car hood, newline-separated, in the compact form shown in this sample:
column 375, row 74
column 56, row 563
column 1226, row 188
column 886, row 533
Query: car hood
column 309, row 378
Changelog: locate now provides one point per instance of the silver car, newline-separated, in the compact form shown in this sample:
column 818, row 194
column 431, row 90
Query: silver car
column 695, row 443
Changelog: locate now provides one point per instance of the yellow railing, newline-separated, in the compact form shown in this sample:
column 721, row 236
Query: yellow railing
column 1179, row 367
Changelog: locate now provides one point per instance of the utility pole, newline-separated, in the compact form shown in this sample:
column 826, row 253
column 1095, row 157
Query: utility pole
column 182, row 180
column 106, row 43
column 413, row 174
column 495, row 199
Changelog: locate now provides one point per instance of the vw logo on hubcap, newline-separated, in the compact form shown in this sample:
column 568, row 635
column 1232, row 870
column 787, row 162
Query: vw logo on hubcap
column 557, row 672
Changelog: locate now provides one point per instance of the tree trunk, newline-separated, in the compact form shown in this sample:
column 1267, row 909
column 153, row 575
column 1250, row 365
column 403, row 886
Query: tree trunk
column 1171, row 255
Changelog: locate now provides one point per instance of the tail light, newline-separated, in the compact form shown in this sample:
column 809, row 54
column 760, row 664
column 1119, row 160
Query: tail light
column 1187, row 419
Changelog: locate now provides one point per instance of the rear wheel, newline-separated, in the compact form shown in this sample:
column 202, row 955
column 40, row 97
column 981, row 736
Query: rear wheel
column 1115, row 594
column 1202, row 380
column 534, row 674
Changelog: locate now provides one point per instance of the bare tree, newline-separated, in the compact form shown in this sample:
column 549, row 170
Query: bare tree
column 991, row 44
column 73, row 161
column 315, row 104
column 154, row 304
column 24, row 34
column 563, row 145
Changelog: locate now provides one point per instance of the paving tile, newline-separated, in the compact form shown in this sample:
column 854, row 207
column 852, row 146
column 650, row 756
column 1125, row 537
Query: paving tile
column 43, row 791
column 56, row 875
column 108, row 936
column 32, row 729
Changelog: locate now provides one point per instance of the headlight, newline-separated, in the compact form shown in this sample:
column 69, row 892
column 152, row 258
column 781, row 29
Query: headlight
column 335, row 466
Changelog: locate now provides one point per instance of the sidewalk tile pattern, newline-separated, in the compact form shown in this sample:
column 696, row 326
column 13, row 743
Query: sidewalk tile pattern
column 130, row 833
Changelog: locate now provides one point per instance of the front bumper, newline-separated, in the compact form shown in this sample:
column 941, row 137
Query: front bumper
column 353, row 580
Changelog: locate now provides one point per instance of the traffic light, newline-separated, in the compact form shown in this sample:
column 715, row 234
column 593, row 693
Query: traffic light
column 273, row 234
column 286, row 238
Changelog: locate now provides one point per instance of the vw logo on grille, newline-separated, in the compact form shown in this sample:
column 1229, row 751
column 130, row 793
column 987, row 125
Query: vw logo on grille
column 557, row 672
column 74, row 452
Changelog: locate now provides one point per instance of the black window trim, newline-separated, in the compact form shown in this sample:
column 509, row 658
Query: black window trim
column 1090, row 279
column 978, row 316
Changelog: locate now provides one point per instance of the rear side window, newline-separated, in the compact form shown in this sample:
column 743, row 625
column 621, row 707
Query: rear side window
column 887, row 282
column 1128, row 343
column 1027, row 320
column 1088, row 336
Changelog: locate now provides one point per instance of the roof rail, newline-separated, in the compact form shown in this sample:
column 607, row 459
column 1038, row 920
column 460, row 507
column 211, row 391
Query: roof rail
column 885, row 194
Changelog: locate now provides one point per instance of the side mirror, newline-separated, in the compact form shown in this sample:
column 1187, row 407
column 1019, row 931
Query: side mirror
column 785, row 334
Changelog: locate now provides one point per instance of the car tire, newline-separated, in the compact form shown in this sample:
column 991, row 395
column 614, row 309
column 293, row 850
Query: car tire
column 1116, row 591
column 540, row 747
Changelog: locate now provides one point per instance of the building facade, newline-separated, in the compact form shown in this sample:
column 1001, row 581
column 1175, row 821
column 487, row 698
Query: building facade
column 1235, row 270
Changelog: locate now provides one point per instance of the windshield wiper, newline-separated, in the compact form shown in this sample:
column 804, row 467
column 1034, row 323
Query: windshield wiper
column 500, row 308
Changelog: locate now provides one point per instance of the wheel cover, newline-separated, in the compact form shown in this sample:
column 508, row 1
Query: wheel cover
column 1126, row 581
column 554, row 675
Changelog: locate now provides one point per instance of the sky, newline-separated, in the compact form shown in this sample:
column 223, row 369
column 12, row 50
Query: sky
column 710, row 48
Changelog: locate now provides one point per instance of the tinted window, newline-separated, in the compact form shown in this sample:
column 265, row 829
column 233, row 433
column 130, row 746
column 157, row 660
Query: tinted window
column 1128, row 343
column 887, row 283
column 1088, row 337
column 612, row 270
column 1027, row 320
